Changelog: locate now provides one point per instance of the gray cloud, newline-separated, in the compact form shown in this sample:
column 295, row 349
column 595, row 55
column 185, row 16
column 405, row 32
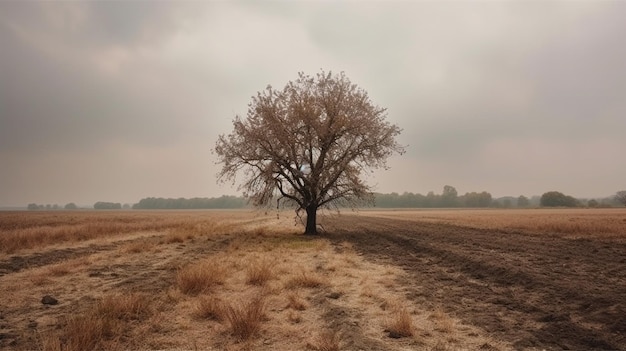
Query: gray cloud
column 509, row 97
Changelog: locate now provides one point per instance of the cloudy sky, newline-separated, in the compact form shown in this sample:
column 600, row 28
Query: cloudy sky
column 116, row 101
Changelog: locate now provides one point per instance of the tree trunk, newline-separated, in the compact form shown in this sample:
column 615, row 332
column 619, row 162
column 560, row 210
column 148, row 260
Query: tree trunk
column 311, row 220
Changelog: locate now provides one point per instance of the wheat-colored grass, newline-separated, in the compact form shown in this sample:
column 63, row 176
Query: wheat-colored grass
column 329, row 340
column 211, row 307
column 575, row 223
column 206, row 295
column 260, row 272
column 245, row 318
column 98, row 327
column 199, row 277
column 305, row 279
column 400, row 324
column 296, row 302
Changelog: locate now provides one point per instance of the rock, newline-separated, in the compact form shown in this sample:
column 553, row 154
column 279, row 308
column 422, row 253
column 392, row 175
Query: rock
column 49, row 300
column 334, row 295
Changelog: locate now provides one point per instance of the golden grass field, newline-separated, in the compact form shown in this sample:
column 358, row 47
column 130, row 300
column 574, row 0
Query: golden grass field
column 230, row 280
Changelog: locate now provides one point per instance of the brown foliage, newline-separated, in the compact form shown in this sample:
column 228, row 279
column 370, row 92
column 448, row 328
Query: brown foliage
column 324, row 123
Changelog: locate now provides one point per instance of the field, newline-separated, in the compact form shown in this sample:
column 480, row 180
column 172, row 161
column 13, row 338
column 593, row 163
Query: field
column 374, row 280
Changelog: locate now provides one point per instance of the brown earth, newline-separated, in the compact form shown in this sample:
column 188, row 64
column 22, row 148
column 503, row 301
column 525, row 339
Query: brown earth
column 532, row 291
column 507, row 288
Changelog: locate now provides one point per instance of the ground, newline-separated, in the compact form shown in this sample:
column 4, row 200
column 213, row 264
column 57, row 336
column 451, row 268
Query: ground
column 533, row 290
column 490, row 280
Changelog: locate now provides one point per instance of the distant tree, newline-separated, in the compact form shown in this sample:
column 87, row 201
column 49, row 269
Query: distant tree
column 557, row 199
column 620, row 197
column 449, row 196
column 432, row 200
column 71, row 206
column 308, row 144
column 475, row 199
column 194, row 203
column 593, row 203
column 101, row 205
column 33, row 207
column 522, row 201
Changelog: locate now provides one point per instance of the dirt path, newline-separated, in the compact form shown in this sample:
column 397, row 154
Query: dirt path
column 532, row 291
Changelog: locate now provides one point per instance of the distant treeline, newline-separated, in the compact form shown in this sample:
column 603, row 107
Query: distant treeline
column 227, row 202
column 449, row 198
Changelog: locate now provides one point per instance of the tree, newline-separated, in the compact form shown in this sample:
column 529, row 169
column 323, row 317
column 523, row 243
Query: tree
column 449, row 196
column 102, row 205
column 557, row 199
column 620, row 197
column 308, row 144
column 522, row 201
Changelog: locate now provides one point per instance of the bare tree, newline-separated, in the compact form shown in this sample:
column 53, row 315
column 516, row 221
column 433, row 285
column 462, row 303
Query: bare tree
column 309, row 144
column 620, row 196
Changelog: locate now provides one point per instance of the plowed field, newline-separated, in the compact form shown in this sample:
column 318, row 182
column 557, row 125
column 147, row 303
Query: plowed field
column 546, row 290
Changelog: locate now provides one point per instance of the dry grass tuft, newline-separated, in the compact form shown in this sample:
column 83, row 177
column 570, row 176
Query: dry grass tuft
column 259, row 273
column 296, row 302
column 201, row 277
column 138, row 246
column 443, row 322
column 245, row 319
column 305, row 280
column 401, row 325
column 176, row 236
column 133, row 306
column 66, row 267
column 99, row 325
column 326, row 341
column 82, row 332
column 210, row 307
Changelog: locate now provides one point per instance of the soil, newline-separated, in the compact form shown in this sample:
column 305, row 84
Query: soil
column 532, row 291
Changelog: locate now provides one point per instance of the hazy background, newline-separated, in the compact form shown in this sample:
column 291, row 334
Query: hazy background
column 116, row 101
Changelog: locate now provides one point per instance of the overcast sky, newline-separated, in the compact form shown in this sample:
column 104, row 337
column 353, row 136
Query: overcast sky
column 117, row 101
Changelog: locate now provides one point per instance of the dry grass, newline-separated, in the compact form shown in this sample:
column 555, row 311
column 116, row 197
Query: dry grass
column 138, row 246
column 99, row 326
column 296, row 302
column 327, row 341
column 213, row 301
column 245, row 318
column 178, row 235
column 570, row 222
column 443, row 322
column 131, row 306
column 27, row 230
column 401, row 324
column 306, row 280
column 210, row 307
column 259, row 273
column 64, row 268
column 200, row 277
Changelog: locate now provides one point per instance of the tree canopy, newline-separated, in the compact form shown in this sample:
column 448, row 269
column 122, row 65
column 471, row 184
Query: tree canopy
column 308, row 144
column 557, row 199
column 620, row 197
